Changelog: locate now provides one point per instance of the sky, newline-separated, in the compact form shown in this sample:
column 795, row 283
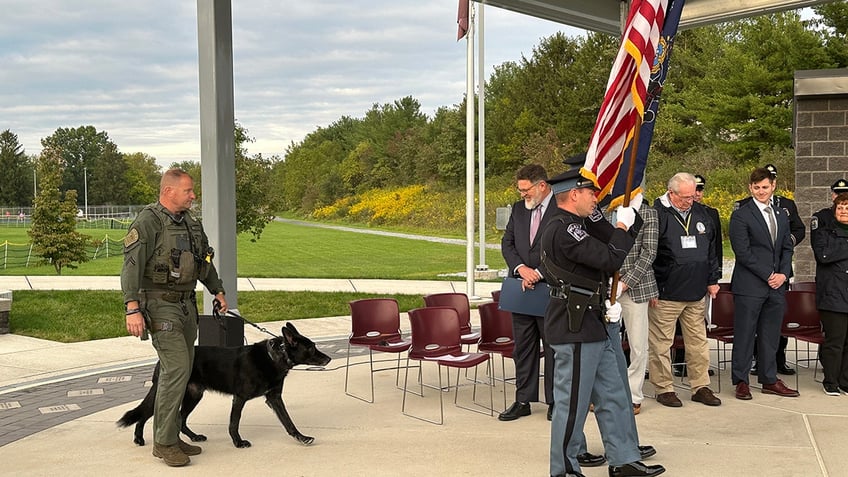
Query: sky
column 130, row 68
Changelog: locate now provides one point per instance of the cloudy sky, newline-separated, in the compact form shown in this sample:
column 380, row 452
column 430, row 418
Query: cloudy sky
column 130, row 68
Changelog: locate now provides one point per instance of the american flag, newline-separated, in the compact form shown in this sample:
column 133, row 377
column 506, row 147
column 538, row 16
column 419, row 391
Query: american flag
column 462, row 20
column 624, row 100
column 652, row 103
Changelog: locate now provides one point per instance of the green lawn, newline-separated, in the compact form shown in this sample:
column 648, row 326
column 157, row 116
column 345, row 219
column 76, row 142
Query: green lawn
column 296, row 251
column 285, row 250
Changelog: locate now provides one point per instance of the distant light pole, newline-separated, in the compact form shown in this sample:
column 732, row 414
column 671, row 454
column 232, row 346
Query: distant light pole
column 85, row 183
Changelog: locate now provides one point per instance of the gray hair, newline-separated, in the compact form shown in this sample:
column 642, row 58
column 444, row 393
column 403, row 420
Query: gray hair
column 679, row 179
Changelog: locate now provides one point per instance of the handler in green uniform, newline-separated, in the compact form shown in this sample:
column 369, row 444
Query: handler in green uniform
column 165, row 253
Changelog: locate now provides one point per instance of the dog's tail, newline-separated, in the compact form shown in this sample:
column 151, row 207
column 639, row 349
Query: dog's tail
column 130, row 417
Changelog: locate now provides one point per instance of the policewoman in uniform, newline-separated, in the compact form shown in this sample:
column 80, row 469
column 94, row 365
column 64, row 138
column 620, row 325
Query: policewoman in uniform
column 580, row 250
column 166, row 252
column 829, row 240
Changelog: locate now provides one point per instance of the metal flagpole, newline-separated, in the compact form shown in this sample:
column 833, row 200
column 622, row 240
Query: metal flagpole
column 469, row 155
column 481, row 137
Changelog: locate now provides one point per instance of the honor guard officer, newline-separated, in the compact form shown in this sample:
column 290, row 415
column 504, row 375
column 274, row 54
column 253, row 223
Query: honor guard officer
column 580, row 250
column 166, row 252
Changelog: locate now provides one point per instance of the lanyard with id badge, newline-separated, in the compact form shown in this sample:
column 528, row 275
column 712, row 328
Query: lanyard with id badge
column 687, row 241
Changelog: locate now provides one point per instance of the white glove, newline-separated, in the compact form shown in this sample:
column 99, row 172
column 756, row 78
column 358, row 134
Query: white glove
column 626, row 215
column 613, row 311
column 636, row 202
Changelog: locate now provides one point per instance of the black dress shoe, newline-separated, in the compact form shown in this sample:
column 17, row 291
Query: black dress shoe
column 518, row 409
column 635, row 469
column 550, row 411
column 785, row 370
column 647, row 451
column 590, row 460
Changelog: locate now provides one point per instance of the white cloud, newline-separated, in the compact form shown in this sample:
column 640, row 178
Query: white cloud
column 130, row 68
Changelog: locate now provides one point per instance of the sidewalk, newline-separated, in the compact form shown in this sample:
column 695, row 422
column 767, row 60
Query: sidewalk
column 79, row 390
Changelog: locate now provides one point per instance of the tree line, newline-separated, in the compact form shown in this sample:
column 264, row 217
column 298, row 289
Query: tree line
column 726, row 106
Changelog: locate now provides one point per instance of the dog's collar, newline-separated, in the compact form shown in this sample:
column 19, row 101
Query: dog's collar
column 270, row 351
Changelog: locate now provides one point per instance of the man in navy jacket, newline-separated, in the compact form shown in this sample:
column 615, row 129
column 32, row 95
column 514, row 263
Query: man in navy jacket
column 760, row 237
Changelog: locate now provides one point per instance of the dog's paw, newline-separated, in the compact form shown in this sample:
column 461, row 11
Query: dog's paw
column 305, row 440
column 242, row 444
column 198, row 438
column 139, row 441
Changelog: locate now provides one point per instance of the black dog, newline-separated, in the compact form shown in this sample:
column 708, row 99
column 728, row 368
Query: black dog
column 245, row 372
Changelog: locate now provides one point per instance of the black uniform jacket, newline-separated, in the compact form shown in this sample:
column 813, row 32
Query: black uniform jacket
column 829, row 241
column 684, row 267
column 591, row 248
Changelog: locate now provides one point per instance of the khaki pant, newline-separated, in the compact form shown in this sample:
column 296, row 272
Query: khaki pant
column 661, row 323
column 635, row 316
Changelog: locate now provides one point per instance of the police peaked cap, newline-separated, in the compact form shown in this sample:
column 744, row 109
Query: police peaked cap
column 700, row 182
column 839, row 186
column 571, row 178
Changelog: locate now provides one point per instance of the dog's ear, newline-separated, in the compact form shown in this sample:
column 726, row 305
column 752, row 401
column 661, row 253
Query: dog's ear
column 292, row 328
column 288, row 335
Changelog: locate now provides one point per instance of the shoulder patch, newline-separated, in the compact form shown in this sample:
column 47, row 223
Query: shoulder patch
column 596, row 215
column 131, row 237
column 577, row 231
column 814, row 223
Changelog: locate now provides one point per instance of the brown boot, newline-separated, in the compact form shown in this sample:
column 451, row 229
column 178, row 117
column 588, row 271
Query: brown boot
column 172, row 455
column 189, row 449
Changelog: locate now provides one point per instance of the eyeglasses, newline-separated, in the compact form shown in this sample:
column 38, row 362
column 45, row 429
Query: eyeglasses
column 524, row 191
column 684, row 198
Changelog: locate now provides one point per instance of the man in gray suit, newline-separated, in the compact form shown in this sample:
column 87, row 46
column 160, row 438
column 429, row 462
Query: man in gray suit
column 760, row 237
column 521, row 249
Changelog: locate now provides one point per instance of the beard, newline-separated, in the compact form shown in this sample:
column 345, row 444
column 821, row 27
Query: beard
column 530, row 203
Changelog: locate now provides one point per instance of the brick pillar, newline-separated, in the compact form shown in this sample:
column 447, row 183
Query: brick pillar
column 821, row 149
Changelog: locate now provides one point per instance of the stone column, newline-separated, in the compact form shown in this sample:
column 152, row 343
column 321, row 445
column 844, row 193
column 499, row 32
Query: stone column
column 821, row 148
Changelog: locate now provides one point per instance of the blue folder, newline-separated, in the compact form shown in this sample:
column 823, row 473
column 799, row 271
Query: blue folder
column 526, row 302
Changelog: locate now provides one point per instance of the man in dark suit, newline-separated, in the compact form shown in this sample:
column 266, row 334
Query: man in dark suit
column 521, row 250
column 797, row 232
column 760, row 237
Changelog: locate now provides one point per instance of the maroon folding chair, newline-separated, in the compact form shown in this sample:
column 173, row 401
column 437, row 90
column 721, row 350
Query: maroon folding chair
column 436, row 339
column 375, row 324
column 720, row 328
column 459, row 302
column 496, row 337
column 801, row 322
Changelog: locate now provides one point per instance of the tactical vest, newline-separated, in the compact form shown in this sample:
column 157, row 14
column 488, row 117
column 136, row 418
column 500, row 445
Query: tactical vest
column 181, row 254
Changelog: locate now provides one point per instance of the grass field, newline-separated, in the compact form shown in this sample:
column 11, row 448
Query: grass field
column 284, row 251
column 296, row 251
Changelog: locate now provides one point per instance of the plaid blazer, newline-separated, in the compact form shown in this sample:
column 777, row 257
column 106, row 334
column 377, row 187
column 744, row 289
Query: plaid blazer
column 638, row 268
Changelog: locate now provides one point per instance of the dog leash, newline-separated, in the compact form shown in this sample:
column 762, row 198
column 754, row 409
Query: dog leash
column 216, row 312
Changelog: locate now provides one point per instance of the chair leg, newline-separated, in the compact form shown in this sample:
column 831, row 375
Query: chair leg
column 490, row 385
column 370, row 374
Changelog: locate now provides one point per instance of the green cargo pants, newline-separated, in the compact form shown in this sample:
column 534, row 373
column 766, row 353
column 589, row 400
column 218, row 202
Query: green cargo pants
column 174, row 330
